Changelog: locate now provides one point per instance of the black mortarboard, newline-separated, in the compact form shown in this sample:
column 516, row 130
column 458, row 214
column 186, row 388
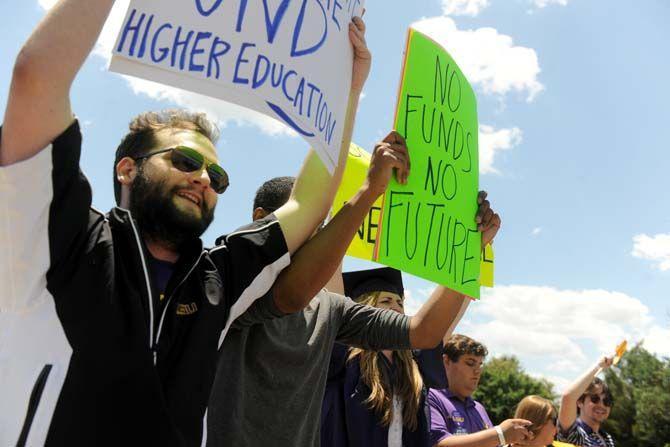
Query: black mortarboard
column 384, row 279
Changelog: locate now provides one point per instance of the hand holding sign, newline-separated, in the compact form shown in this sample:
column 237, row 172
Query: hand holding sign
column 362, row 55
column 488, row 221
column 356, row 174
column 389, row 154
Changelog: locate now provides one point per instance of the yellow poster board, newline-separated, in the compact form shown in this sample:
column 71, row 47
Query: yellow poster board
column 363, row 244
column 486, row 268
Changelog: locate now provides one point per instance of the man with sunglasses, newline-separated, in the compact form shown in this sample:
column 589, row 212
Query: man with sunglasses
column 110, row 323
column 585, row 406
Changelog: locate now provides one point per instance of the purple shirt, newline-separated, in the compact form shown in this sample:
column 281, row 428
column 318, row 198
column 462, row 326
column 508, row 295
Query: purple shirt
column 451, row 416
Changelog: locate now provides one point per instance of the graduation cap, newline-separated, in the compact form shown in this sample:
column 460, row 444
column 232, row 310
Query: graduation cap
column 384, row 279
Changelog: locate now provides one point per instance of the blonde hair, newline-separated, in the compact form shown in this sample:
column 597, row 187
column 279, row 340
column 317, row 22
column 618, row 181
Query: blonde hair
column 536, row 409
column 408, row 384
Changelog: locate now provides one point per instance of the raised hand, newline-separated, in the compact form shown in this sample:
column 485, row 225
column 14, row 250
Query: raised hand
column 362, row 55
column 389, row 154
column 488, row 221
column 606, row 362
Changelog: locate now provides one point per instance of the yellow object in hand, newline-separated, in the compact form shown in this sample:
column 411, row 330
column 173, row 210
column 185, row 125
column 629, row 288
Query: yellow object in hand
column 620, row 350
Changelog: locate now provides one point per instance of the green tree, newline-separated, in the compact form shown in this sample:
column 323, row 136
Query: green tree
column 641, row 388
column 504, row 383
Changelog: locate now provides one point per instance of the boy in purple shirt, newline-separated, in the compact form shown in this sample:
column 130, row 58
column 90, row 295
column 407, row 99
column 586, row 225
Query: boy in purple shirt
column 456, row 418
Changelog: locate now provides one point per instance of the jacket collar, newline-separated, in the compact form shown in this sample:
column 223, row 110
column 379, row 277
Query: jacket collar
column 121, row 218
column 468, row 402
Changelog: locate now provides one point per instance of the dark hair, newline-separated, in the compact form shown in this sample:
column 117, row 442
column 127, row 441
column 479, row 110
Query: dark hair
column 141, row 137
column 458, row 345
column 274, row 193
column 596, row 384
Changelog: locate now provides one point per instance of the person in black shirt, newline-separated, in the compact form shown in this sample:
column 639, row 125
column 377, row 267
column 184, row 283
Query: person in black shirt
column 96, row 357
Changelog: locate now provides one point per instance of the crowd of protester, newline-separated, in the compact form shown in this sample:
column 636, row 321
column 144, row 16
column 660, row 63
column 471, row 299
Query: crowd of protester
column 121, row 329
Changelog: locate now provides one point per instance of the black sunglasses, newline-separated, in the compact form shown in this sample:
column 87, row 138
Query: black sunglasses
column 189, row 160
column 595, row 399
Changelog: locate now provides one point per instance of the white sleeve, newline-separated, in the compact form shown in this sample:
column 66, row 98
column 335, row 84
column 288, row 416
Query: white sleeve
column 26, row 191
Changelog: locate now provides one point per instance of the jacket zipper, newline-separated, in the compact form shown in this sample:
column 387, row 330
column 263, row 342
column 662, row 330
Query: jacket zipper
column 148, row 284
column 33, row 404
column 167, row 303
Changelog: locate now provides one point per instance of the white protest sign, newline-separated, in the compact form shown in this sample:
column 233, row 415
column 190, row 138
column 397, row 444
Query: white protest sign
column 289, row 59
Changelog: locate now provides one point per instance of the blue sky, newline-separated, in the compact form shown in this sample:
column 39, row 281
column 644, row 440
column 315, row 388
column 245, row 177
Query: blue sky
column 572, row 106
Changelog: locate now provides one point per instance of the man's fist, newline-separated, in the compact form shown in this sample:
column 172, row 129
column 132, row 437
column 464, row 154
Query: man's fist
column 389, row 154
column 488, row 221
column 362, row 56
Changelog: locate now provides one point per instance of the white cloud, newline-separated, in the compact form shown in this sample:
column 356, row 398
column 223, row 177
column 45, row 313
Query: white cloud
column 654, row 248
column 560, row 383
column 501, row 337
column 563, row 364
column 412, row 304
column 46, row 4
column 415, row 299
column 545, row 3
column 599, row 316
column 464, row 7
column 492, row 141
column 489, row 59
column 658, row 341
column 557, row 333
column 536, row 231
column 220, row 111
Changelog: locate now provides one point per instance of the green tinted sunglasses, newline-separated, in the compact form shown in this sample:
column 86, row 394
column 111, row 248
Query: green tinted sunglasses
column 189, row 160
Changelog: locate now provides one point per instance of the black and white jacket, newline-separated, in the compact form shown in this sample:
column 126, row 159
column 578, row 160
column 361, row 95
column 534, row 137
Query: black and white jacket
column 85, row 357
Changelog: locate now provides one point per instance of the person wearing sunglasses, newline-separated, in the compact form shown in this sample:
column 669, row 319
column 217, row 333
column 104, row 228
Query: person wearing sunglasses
column 111, row 323
column 585, row 406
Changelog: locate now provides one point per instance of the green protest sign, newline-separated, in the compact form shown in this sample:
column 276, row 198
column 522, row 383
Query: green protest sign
column 428, row 226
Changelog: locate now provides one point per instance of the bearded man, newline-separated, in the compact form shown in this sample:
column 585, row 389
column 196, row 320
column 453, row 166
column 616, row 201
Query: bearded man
column 110, row 323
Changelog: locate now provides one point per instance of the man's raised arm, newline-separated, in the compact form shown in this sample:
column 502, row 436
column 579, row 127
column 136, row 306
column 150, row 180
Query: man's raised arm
column 568, row 411
column 38, row 108
column 315, row 188
column 314, row 264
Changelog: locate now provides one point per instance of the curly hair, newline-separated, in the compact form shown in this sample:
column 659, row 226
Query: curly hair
column 458, row 345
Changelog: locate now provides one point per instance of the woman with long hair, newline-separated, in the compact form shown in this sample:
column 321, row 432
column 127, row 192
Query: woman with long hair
column 376, row 398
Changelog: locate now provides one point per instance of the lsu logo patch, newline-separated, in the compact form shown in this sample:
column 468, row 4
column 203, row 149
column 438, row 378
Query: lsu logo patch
column 187, row 309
